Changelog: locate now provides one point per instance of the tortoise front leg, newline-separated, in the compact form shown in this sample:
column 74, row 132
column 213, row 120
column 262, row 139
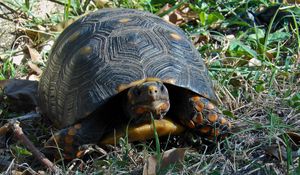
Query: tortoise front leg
column 207, row 119
column 67, row 141
column 202, row 116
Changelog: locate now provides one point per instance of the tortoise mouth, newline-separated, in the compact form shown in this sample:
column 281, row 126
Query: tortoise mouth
column 156, row 109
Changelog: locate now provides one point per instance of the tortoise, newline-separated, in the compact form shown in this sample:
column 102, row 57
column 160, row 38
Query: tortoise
column 118, row 66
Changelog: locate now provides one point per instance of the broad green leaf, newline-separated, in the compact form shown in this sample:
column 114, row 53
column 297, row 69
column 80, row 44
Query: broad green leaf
column 202, row 17
column 214, row 17
column 278, row 36
column 236, row 45
column 260, row 34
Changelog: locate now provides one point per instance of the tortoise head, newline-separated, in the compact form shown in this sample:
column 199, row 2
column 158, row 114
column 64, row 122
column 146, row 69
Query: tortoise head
column 146, row 99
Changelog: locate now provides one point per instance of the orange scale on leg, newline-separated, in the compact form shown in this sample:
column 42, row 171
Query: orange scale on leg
column 199, row 106
column 198, row 118
column 212, row 117
column 195, row 98
column 223, row 121
column 229, row 124
column 190, row 124
column 205, row 129
column 215, row 132
column 80, row 153
column 210, row 106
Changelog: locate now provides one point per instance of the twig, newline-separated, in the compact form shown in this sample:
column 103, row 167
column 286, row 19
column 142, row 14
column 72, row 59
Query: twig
column 4, row 129
column 8, row 8
column 14, row 125
column 40, row 156
column 10, row 167
column 6, row 18
column 58, row 2
column 30, row 115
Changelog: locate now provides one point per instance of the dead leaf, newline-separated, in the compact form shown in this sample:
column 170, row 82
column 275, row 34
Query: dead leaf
column 103, row 3
column 34, row 55
column 33, row 77
column 279, row 151
column 35, row 68
column 37, row 35
column 179, row 16
column 295, row 137
column 254, row 62
column 169, row 157
column 291, row 1
column 204, row 38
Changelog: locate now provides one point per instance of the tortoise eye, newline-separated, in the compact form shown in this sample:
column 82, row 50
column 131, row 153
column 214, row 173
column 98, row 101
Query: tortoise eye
column 137, row 92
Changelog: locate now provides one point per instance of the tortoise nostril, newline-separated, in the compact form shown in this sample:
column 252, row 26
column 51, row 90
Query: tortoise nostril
column 152, row 90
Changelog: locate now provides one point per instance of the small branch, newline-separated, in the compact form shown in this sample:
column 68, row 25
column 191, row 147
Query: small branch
column 40, row 156
column 58, row 2
column 8, row 8
column 6, row 18
column 10, row 167
column 4, row 129
column 30, row 115
column 14, row 125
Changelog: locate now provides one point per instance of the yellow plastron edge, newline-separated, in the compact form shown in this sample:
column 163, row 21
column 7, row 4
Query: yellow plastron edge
column 142, row 132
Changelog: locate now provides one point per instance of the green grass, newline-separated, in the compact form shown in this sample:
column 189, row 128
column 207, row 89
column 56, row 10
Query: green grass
column 263, row 100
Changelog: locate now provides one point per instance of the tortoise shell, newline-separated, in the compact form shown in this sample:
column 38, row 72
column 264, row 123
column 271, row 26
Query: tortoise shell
column 105, row 52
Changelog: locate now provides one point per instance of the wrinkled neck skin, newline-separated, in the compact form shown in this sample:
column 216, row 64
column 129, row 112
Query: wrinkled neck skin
column 147, row 100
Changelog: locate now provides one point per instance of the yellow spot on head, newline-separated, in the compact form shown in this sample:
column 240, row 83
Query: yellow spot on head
column 122, row 87
column 152, row 88
column 124, row 20
column 85, row 50
column 175, row 36
column 152, row 79
column 164, row 107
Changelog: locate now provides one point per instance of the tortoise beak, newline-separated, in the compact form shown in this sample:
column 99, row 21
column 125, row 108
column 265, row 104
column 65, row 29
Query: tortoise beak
column 158, row 110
